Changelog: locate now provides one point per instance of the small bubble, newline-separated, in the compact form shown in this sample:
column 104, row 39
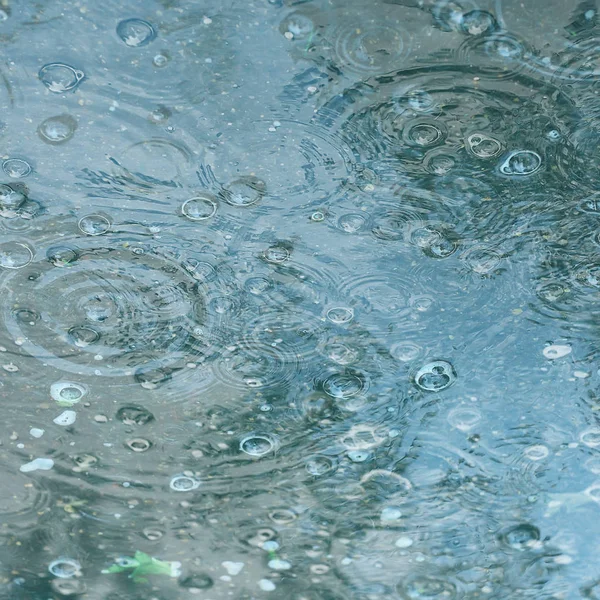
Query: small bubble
column 57, row 130
column 297, row 27
column 435, row 376
column 135, row 32
column 536, row 452
column 478, row 22
column 61, row 256
column 352, row 223
column 94, row 225
column 521, row 162
column 404, row 542
column 134, row 415
column 199, row 208
column 138, row 444
column 64, row 568
column 424, row 134
column 257, row 444
column 10, row 201
column 319, row 465
column 340, row 315
column 83, row 336
column 390, row 514
column 278, row 564
column 344, row 385
column 521, row 537
column 555, row 351
column 282, row 516
column 439, row 163
column 317, row 216
column 184, row 483
column 161, row 59
column 67, row 392
column 276, row 254
column 257, row 285
column 266, row 585
column 591, row 437
column 358, row 456
column 65, row 418
column 244, row 191
column 152, row 534
column 15, row 255
column 16, row 168
column 58, row 77
column 483, row 146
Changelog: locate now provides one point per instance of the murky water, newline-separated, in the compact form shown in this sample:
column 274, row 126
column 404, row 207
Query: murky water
column 300, row 300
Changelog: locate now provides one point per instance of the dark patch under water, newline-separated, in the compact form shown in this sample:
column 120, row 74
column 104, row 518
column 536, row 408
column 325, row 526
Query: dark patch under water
column 300, row 300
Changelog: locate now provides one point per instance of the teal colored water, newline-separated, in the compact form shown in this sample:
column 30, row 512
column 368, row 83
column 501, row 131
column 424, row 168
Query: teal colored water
column 299, row 300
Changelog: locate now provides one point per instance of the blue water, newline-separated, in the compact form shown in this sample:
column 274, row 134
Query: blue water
column 299, row 300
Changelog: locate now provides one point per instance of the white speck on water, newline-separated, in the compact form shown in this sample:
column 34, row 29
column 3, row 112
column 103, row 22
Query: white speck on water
column 404, row 542
column 66, row 418
column 233, row 568
column 37, row 464
column 266, row 585
column 555, row 351
column 36, row 433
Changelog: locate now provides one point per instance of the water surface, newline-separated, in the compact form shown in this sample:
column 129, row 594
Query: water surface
column 299, row 299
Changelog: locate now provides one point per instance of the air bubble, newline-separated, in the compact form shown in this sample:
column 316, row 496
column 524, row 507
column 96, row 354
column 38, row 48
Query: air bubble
column 184, row 483
column 424, row 134
column 536, row 452
column 134, row 415
column 57, row 130
column 352, row 223
column 161, row 60
column 10, row 201
column 152, row 534
column 135, row 32
column 591, row 437
column 340, row 315
column 16, row 168
column 61, row 256
column 83, row 336
column 555, row 351
column 258, row 444
column 317, row 466
column 435, row 376
column 94, row 225
column 521, row 162
column 15, row 255
column 138, row 444
column 521, row 537
column 64, row 568
column 297, row 27
column 67, row 393
column 483, row 146
column 244, row 191
column 58, row 77
column 478, row 22
column 277, row 254
column 344, row 385
column 199, row 208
